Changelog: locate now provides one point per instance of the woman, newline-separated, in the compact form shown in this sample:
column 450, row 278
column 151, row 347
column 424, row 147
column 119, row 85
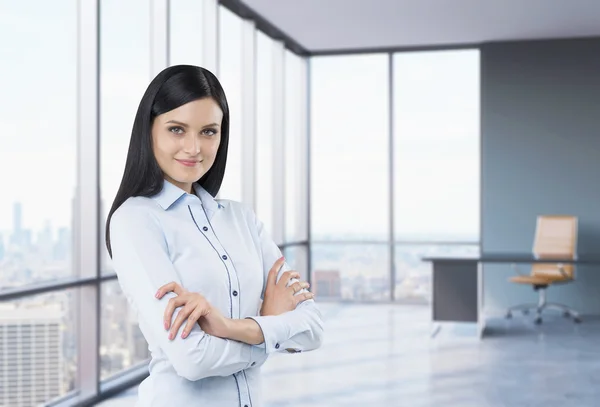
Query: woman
column 210, row 288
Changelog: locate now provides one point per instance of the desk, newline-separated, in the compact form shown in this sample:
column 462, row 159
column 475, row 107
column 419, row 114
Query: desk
column 458, row 283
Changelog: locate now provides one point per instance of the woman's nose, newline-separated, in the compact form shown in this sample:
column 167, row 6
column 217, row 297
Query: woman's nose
column 191, row 144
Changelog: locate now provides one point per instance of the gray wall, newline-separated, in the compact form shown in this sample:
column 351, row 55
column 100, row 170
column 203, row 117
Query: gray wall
column 540, row 155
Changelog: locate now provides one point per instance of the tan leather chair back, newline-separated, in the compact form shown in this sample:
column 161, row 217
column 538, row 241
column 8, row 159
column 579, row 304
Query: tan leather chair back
column 555, row 237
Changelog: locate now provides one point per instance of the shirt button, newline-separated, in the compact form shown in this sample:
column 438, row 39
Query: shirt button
column 224, row 257
column 276, row 346
column 235, row 293
column 205, row 228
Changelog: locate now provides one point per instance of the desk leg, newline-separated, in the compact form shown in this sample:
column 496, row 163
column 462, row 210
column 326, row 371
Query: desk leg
column 480, row 316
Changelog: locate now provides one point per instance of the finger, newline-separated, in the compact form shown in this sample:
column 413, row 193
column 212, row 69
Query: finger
column 294, row 288
column 304, row 297
column 182, row 316
column 198, row 312
column 287, row 276
column 171, row 306
column 299, row 286
column 169, row 287
column 274, row 272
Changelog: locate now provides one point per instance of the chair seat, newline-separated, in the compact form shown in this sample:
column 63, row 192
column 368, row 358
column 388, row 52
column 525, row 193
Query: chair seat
column 533, row 280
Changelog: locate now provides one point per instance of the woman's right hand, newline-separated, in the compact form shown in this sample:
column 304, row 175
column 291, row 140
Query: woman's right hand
column 279, row 297
column 195, row 306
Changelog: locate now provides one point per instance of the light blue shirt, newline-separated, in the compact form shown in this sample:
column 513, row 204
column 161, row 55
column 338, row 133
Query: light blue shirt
column 217, row 248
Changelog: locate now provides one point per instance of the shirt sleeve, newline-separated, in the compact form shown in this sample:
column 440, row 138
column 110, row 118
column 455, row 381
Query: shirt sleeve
column 141, row 261
column 299, row 330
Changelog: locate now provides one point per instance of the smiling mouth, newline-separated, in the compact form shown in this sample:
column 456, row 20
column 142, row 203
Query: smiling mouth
column 189, row 163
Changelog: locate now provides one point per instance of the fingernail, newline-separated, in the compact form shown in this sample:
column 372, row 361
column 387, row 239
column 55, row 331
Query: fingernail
column 166, row 325
column 157, row 295
column 171, row 335
column 184, row 335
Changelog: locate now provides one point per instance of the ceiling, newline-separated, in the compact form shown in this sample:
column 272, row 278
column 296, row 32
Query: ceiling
column 343, row 25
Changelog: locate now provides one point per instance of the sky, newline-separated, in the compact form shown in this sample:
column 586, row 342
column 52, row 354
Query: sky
column 436, row 116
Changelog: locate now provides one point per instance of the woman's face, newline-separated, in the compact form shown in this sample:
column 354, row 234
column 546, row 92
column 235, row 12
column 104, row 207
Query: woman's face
column 185, row 141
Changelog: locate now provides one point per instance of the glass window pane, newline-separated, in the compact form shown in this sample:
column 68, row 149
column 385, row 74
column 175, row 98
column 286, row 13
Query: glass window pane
column 125, row 50
column 38, row 116
column 42, row 363
column 122, row 344
column 349, row 147
column 230, row 76
column 413, row 276
column 297, row 258
column 185, row 32
column 264, row 130
column 436, row 145
column 295, row 123
column 355, row 272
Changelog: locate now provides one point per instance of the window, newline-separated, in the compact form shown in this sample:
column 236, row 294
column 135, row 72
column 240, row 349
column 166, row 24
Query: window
column 436, row 145
column 230, row 76
column 50, row 365
column 349, row 147
column 295, row 148
column 296, row 257
column 436, row 163
column 125, row 50
column 122, row 344
column 185, row 32
column 356, row 272
column 38, row 115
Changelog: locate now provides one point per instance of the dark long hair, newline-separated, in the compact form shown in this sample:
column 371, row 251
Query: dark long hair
column 173, row 87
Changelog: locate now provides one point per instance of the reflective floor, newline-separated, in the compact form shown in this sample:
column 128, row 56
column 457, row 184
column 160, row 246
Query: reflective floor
column 383, row 355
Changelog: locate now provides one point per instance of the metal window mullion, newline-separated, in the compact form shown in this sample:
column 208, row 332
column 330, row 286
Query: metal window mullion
column 308, row 117
column 86, row 219
column 301, row 148
column 249, row 113
column 210, row 35
column 391, row 191
column 278, row 152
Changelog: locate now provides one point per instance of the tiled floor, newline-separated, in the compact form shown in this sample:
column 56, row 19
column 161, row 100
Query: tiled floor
column 383, row 355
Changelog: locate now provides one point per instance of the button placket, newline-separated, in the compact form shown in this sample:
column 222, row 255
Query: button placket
column 234, row 296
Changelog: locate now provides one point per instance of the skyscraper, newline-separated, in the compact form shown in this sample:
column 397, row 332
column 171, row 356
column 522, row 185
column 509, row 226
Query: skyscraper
column 31, row 354
column 17, row 236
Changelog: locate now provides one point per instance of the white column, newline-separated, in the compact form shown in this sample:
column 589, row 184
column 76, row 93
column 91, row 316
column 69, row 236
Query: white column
column 278, row 142
column 159, row 36
column 210, row 35
column 86, row 222
column 249, row 113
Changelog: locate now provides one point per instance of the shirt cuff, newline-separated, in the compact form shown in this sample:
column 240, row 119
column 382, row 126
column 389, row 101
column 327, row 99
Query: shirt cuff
column 274, row 331
column 258, row 356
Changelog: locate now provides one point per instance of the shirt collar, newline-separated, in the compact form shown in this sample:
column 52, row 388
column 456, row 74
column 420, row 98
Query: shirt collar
column 171, row 194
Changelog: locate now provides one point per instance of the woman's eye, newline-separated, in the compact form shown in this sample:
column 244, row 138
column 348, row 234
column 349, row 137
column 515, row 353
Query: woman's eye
column 176, row 130
column 209, row 132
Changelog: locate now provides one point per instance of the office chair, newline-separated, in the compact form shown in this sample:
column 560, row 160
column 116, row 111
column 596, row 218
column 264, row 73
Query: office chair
column 555, row 238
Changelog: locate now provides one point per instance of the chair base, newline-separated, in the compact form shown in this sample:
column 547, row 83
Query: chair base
column 543, row 305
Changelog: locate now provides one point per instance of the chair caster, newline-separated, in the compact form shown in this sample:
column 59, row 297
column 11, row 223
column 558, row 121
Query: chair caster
column 567, row 314
column 508, row 315
column 525, row 312
column 538, row 321
column 577, row 320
